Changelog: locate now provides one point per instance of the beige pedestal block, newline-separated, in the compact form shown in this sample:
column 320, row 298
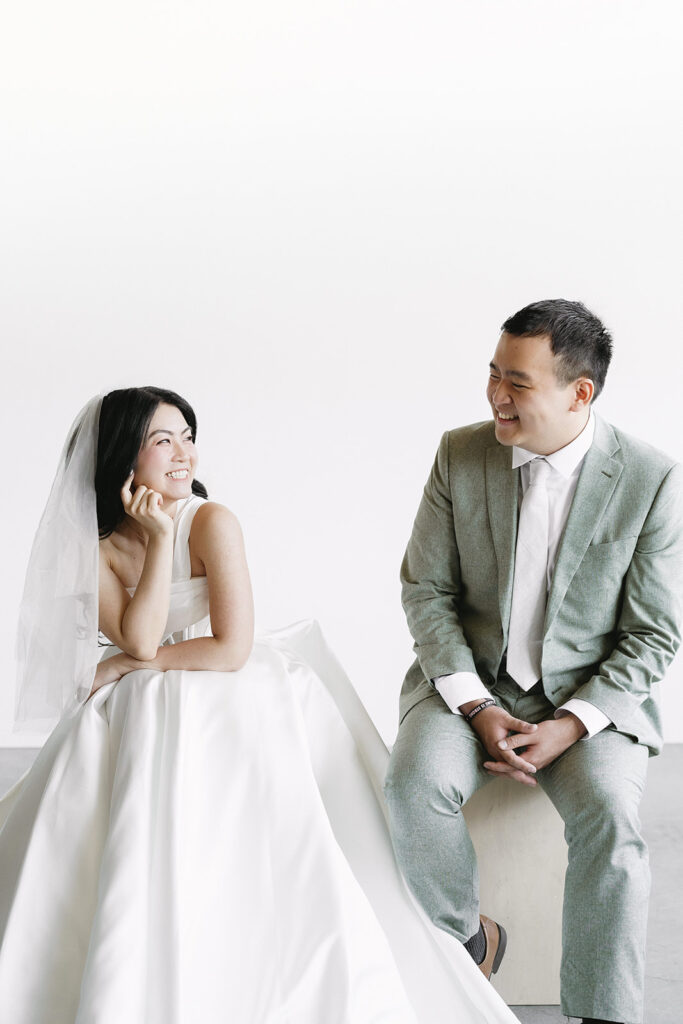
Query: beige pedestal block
column 522, row 855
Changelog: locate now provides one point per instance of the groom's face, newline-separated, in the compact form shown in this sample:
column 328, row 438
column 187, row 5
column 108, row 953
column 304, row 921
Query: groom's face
column 531, row 408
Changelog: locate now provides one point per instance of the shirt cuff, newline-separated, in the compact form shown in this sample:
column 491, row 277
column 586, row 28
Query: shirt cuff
column 593, row 719
column 460, row 688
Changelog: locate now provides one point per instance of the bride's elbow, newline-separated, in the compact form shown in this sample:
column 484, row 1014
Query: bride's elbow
column 141, row 650
column 239, row 660
column 243, row 658
column 234, row 656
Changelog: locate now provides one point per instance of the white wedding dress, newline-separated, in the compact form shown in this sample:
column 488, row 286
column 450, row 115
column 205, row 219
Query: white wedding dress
column 210, row 848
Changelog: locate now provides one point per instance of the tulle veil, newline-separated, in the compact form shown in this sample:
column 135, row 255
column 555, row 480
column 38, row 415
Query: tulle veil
column 57, row 650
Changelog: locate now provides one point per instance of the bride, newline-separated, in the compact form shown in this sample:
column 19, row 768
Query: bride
column 201, row 839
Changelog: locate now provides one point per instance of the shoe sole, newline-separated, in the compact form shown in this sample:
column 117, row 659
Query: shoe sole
column 500, row 952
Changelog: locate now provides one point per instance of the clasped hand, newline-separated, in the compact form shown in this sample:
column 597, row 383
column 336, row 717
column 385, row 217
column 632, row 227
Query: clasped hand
column 538, row 745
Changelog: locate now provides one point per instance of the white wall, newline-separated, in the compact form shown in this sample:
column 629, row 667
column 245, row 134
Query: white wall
column 310, row 217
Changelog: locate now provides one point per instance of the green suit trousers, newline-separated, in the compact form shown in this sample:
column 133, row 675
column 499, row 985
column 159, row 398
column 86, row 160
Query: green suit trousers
column 596, row 786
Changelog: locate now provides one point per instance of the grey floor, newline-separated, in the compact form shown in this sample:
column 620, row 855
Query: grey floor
column 662, row 815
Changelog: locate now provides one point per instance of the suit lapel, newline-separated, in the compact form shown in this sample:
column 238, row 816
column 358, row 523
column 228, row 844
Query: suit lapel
column 501, row 502
column 597, row 480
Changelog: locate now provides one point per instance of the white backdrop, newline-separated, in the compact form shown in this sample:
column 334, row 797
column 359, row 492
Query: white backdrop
column 310, row 217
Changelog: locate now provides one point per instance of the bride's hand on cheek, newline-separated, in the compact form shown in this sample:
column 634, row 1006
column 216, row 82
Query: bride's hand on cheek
column 145, row 506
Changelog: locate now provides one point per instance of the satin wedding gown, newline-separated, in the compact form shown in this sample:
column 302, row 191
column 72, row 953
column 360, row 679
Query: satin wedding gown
column 205, row 847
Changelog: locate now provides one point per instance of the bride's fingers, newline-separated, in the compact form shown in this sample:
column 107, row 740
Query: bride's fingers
column 138, row 498
column 152, row 502
column 144, row 505
column 126, row 493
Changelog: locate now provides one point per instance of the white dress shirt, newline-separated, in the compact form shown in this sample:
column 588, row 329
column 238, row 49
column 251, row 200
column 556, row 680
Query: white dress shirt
column 462, row 687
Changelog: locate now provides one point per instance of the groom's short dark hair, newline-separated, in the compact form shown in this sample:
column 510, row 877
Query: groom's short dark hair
column 581, row 343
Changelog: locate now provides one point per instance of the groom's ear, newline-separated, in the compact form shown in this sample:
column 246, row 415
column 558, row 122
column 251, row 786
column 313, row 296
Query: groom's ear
column 584, row 389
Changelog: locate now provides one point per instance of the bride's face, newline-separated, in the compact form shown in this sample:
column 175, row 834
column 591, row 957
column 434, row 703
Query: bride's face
column 168, row 459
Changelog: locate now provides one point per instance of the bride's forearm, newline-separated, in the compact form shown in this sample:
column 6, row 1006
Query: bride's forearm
column 207, row 653
column 144, row 620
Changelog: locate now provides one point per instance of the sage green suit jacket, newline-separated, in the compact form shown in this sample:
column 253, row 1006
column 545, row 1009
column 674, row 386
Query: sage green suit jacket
column 614, row 610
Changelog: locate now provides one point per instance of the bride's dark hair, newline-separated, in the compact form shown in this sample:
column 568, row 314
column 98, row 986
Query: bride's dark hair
column 124, row 420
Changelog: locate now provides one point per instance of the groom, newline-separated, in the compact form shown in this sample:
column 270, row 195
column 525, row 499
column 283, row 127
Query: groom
column 543, row 586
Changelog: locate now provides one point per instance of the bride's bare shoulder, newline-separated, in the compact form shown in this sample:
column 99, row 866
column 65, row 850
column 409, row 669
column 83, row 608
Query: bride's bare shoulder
column 215, row 530
column 213, row 518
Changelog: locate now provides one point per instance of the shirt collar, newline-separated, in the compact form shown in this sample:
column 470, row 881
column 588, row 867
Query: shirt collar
column 567, row 460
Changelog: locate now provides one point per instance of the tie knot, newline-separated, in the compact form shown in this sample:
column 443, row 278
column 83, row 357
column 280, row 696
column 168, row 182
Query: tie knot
column 538, row 471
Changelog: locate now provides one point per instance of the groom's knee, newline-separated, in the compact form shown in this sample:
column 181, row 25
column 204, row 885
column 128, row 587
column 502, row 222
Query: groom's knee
column 600, row 798
column 417, row 786
column 434, row 767
column 607, row 826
